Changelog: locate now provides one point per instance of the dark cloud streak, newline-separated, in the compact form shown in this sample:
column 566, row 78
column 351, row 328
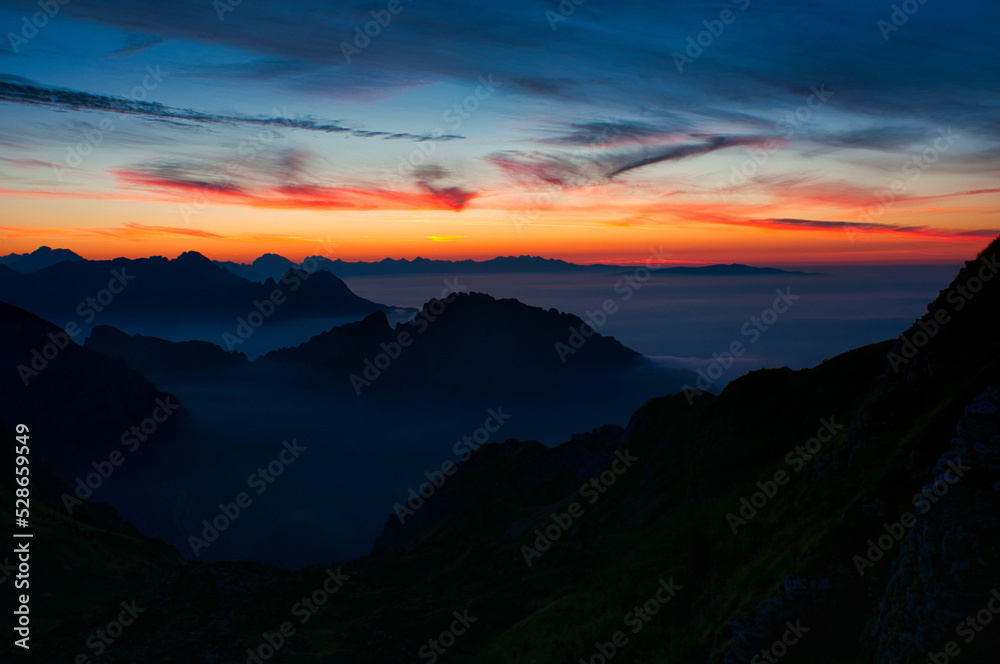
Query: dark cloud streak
column 18, row 92
column 569, row 169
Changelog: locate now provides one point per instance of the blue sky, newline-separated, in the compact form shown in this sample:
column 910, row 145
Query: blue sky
column 614, row 124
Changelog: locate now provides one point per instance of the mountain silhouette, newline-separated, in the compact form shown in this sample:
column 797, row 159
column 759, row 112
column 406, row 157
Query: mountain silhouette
column 80, row 403
column 473, row 340
column 467, row 341
column 264, row 267
column 189, row 288
column 271, row 266
column 152, row 355
column 853, row 504
column 38, row 259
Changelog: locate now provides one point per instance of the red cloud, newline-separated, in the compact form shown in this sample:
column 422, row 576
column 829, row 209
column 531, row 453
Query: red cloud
column 307, row 196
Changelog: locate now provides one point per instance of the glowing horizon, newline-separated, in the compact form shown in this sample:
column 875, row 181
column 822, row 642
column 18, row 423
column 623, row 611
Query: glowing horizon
column 141, row 131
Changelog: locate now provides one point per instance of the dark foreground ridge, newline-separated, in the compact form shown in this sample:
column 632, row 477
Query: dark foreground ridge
column 843, row 513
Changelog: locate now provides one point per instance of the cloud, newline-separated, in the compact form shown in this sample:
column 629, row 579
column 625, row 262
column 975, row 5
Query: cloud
column 568, row 169
column 644, row 157
column 800, row 188
column 873, row 227
column 606, row 134
column 26, row 163
column 176, row 183
column 134, row 229
column 432, row 180
column 742, row 216
column 954, row 194
column 73, row 100
column 883, row 138
column 135, row 44
column 444, row 238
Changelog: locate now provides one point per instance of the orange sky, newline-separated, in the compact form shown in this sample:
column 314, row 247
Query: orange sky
column 581, row 227
column 494, row 133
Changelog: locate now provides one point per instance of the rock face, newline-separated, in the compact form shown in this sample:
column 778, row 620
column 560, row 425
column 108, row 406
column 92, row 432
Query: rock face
column 949, row 562
column 925, row 579
column 944, row 567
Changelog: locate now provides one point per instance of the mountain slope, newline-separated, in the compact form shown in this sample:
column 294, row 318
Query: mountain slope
column 187, row 289
column 474, row 340
column 78, row 402
column 38, row 259
column 672, row 515
column 152, row 355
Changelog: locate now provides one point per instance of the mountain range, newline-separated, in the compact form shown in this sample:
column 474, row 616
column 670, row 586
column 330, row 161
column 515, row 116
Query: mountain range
column 188, row 288
column 847, row 511
column 273, row 265
column 438, row 374
column 39, row 258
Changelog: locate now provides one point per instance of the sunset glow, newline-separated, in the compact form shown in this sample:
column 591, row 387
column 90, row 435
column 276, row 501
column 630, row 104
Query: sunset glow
column 121, row 139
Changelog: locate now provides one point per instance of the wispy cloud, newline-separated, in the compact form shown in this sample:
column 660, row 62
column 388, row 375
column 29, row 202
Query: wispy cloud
column 569, row 169
column 612, row 133
column 134, row 45
column 145, row 230
column 813, row 224
column 26, row 162
column 73, row 100
column 293, row 196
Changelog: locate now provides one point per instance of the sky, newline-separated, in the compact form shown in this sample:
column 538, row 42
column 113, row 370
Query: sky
column 780, row 133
